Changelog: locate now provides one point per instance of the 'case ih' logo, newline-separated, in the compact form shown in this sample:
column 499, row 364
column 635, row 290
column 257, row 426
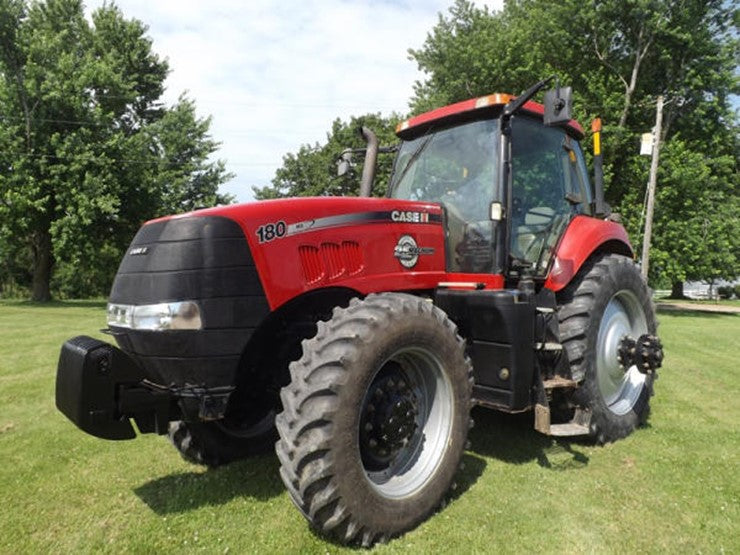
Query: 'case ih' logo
column 413, row 217
column 407, row 251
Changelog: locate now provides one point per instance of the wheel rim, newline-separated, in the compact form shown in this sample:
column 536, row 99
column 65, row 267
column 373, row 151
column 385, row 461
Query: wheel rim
column 619, row 389
column 405, row 422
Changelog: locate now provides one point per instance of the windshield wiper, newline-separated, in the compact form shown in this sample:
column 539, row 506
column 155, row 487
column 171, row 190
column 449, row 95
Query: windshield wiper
column 413, row 158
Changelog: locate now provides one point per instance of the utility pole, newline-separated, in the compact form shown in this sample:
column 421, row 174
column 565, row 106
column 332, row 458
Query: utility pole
column 651, row 188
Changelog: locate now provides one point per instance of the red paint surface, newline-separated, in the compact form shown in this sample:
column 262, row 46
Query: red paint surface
column 472, row 104
column 284, row 276
column 582, row 237
column 279, row 261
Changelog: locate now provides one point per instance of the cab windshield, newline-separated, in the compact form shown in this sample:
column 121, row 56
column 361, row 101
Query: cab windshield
column 457, row 168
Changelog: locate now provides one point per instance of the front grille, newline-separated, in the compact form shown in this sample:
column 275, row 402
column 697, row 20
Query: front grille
column 205, row 259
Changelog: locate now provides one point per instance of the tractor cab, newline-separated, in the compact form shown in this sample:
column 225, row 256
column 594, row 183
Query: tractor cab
column 509, row 184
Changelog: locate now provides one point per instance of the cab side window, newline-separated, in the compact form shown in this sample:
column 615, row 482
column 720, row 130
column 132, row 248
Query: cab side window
column 581, row 177
column 547, row 189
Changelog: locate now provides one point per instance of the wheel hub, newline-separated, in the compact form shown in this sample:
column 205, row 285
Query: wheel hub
column 389, row 418
column 645, row 353
column 405, row 422
column 620, row 384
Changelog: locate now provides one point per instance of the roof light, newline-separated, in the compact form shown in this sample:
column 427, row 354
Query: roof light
column 483, row 101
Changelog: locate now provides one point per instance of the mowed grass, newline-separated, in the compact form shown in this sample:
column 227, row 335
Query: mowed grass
column 714, row 302
column 673, row 486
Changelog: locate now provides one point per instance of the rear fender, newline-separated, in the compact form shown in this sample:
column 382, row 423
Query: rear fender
column 583, row 237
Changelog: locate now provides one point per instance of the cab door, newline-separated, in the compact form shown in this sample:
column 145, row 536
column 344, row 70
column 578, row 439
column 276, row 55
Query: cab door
column 548, row 187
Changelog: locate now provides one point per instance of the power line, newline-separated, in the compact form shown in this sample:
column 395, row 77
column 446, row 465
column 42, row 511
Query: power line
column 384, row 104
column 241, row 132
column 53, row 120
column 140, row 161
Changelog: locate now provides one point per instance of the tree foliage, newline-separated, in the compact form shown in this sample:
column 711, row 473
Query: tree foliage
column 619, row 56
column 87, row 150
column 312, row 171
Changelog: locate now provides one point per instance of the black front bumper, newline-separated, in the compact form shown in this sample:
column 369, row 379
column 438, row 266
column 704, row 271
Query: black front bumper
column 100, row 388
column 90, row 377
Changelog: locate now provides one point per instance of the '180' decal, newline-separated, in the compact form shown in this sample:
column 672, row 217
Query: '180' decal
column 268, row 232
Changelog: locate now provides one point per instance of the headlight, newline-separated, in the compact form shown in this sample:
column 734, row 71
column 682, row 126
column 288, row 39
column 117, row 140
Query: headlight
column 184, row 315
column 120, row 315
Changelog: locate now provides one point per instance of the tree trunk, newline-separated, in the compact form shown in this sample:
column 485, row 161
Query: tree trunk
column 677, row 290
column 42, row 263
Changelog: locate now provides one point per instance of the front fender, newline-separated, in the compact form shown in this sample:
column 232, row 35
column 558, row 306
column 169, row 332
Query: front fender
column 583, row 237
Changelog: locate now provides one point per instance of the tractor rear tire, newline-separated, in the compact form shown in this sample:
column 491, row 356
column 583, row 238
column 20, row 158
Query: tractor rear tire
column 221, row 442
column 375, row 418
column 605, row 301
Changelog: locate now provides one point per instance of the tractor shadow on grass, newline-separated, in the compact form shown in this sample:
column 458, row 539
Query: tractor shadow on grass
column 471, row 468
column 511, row 438
column 256, row 477
column 504, row 437
column 709, row 313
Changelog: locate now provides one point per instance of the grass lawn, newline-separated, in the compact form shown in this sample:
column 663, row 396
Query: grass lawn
column 673, row 486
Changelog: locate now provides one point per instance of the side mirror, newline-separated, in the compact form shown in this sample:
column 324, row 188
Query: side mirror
column 558, row 106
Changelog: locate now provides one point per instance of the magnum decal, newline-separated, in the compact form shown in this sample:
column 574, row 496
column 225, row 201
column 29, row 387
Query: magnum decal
column 407, row 251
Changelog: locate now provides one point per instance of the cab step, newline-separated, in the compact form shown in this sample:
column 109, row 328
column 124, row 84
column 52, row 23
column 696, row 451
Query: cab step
column 569, row 429
column 578, row 426
column 559, row 382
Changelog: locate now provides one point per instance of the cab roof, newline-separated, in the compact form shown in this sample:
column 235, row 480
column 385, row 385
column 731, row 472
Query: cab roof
column 471, row 109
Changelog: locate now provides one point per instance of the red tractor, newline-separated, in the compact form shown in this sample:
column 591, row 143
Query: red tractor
column 359, row 332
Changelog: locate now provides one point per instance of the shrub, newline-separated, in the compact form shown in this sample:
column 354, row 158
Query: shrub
column 725, row 292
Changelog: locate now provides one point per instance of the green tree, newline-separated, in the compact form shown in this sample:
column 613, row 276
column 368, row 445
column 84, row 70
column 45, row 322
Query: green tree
column 619, row 56
column 87, row 150
column 697, row 213
column 312, row 171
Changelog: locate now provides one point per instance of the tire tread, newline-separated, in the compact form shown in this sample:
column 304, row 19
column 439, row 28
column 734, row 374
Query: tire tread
column 311, row 399
column 597, row 280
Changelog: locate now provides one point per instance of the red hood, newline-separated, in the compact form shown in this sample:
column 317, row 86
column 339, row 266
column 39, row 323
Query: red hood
column 305, row 243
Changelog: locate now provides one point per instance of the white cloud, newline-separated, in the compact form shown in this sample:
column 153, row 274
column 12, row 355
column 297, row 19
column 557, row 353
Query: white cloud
column 274, row 75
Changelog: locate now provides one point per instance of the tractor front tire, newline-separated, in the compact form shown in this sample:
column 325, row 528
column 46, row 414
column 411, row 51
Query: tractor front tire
column 222, row 441
column 607, row 300
column 375, row 418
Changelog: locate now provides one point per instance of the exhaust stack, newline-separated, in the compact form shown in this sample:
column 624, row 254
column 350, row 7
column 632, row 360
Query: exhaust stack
column 371, row 158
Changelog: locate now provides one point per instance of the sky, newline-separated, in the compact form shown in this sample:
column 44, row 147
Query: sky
column 274, row 75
